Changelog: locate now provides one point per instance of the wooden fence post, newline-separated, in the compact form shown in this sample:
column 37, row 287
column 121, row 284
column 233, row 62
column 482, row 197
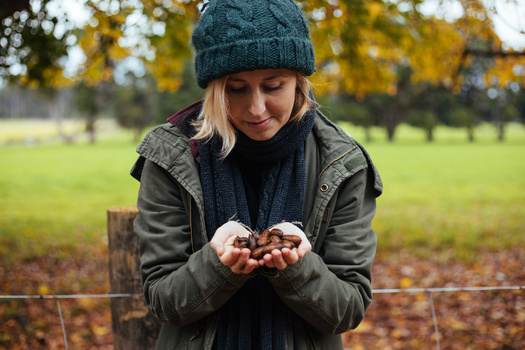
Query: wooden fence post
column 134, row 327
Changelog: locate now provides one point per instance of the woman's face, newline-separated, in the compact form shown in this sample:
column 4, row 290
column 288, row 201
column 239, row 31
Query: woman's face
column 261, row 101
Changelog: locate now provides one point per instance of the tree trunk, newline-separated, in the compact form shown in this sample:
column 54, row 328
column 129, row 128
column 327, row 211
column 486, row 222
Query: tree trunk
column 137, row 135
column 90, row 128
column 56, row 116
column 368, row 135
column 430, row 134
column 470, row 132
column 390, row 130
column 501, row 131
column 391, row 120
column 134, row 327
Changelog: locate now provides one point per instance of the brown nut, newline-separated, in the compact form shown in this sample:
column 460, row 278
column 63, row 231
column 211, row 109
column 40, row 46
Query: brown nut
column 276, row 232
column 268, row 249
column 256, row 234
column 288, row 244
column 257, row 253
column 266, row 233
column 275, row 239
column 252, row 242
column 264, row 240
column 292, row 238
column 241, row 242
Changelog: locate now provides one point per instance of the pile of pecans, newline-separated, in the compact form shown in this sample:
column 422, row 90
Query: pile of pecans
column 264, row 243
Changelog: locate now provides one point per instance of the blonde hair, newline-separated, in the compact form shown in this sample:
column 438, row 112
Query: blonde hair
column 214, row 116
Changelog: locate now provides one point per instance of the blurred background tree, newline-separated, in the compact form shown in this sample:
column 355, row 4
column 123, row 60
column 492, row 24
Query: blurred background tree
column 382, row 59
column 135, row 107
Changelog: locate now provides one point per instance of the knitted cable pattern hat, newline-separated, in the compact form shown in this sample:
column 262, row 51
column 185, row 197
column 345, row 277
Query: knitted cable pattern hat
column 233, row 36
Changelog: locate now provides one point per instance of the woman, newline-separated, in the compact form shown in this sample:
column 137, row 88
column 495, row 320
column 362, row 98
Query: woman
column 254, row 154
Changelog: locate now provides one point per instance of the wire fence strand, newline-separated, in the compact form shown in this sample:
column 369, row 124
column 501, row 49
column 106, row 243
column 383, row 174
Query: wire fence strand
column 374, row 291
column 69, row 296
column 434, row 318
column 427, row 291
column 445, row 289
column 62, row 322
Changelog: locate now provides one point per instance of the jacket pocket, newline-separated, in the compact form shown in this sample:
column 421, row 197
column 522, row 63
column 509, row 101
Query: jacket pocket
column 190, row 337
column 196, row 341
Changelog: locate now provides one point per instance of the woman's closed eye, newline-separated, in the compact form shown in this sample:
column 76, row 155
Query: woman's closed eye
column 272, row 88
column 243, row 89
column 236, row 90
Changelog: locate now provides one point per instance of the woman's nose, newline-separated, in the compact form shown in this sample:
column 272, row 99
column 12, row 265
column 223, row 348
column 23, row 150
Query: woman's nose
column 257, row 104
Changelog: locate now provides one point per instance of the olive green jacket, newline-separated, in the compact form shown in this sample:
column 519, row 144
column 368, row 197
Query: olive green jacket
column 326, row 292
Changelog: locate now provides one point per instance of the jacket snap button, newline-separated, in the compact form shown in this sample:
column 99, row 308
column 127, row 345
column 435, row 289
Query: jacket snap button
column 324, row 187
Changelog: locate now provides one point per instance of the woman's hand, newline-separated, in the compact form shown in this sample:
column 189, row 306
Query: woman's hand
column 280, row 259
column 237, row 259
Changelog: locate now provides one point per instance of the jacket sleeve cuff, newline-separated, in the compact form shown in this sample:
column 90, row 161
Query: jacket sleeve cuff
column 286, row 277
column 235, row 280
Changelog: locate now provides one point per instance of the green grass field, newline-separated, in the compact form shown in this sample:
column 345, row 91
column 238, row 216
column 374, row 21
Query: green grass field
column 448, row 196
column 451, row 196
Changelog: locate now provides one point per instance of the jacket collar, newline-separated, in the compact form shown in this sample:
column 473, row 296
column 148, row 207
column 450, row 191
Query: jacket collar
column 184, row 121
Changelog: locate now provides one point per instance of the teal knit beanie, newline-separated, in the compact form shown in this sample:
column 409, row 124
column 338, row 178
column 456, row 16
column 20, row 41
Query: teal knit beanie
column 234, row 36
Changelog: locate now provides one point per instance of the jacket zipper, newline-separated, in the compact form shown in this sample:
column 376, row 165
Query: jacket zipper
column 191, row 227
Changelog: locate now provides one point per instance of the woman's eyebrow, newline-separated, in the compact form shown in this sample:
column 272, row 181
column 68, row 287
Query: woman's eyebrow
column 275, row 76
column 271, row 77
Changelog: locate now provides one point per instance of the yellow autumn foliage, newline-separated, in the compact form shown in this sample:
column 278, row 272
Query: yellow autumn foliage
column 506, row 70
column 360, row 50
column 360, row 46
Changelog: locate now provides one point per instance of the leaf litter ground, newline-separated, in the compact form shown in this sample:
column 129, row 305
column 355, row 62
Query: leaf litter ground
column 466, row 319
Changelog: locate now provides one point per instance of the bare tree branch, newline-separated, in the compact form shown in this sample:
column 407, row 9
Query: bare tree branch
column 491, row 53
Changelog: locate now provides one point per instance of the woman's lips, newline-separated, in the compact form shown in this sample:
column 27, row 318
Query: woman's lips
column 259, row 125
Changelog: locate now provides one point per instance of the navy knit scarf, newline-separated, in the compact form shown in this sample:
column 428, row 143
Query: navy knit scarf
column 254, row 317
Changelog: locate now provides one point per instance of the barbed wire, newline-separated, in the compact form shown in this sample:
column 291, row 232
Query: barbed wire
column 427, row 291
